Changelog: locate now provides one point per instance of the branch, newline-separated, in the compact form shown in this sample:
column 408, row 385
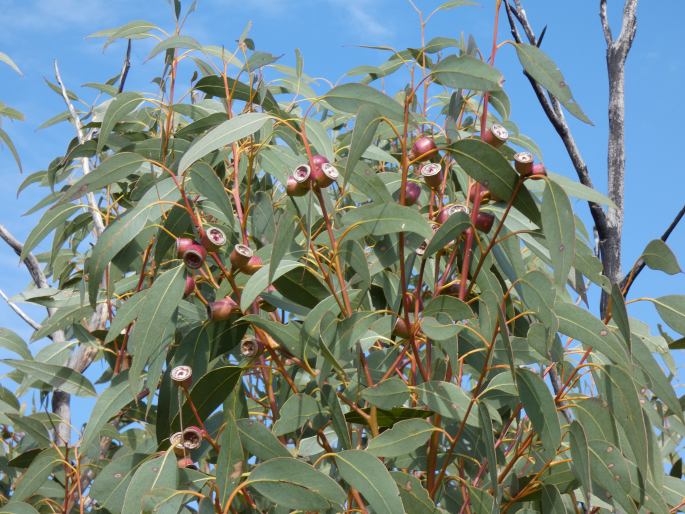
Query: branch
column 85, row 162
column 605, row 22
column 125, row 68
column 20, row 313
column 552, row 109
column 640, row 263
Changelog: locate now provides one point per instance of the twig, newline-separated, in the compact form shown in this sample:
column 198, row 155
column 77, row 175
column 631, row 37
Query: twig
column 19, row 312
column 639, row 265
column 125, row 68
column 98, row 223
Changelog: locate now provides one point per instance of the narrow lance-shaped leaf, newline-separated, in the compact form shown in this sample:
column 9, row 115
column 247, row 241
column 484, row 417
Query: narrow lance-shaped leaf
column 59, row 377
column 108, row 404
column 539, row 66
column 206, row 182
column 370, row 477
column 365, row 127
column 466, row 72
column 560, row 230
column 404, row 437
column 228, row 132
column 37, row 474
column 384, row 219
column 117, row 109
column 540, row 408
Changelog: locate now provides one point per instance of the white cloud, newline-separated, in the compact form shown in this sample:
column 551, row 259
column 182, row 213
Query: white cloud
column 52, row 14
column 362, row 16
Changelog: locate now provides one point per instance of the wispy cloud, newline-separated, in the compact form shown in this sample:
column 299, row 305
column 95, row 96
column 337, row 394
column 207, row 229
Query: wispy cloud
column 364, row 14
column 52, row 14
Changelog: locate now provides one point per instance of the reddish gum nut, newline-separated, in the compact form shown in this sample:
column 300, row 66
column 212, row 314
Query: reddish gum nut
column 523, row 162
column 240, row 256
column 250, row 348
column 329, row 174
column 485, row 195
column 186, row 463
column 182, row 375
column 450, row 289
column 484, row 221
column 432, row 174
column 423, row 148
column 192, row 437
column 539, row 171
column 449, row 210
column 182, row 244
column 220, row 310
column 496, row 135
column 213, row 239
column 411, row 193
column 194, row 257
column 294, row 188
column 253, row 265
column 401, row 329
column 316, row 174
column 189, row 287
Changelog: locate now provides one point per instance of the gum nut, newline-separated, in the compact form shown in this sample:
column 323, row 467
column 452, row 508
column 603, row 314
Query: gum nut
column 253, row 265
column 194, row 257
column 400, row 329
column 424, row 147
column 213, row 239
column 181, row 375
column 240, row 256
column 484, row 221
column 182, row 244
column 189, row 287
column 411, row 193
column 496, row 135
column 220, row 310
column 432, row 175
column 523, row 163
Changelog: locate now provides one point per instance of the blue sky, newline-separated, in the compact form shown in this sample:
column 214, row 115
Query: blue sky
column 35, row 32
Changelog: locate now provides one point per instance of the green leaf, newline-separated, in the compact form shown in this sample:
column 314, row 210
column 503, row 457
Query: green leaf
column 108, row 404
column 370, row 477
column 229, row 463
column 31, row 426
column 488, row 166
column 466, row 72
column 126, row 313
column 208, row 393
column 205, row 182
column 580, row 455
column 37, row 474
column 113, row 169
column 260, row 441
column 541, row 410
column 387, row 394
column 610, row 471
column 285, row 234
column 365, row 126
column 330, row 400
column 12, row 342
column 404, row 437
column 9, row 62
column 415, row 498
column 225, row 134
column 671, row 308
column 620, row 315
column 446, row 399
column 175, row 41
column 161, row 471
column 293, row 484
column 657, row 255
column 382, row 219
column 560, row 231
column 17, row 507
column 214, row 85
column 136, row 29
column 624, row 404
column 112, row 481
column 4, row 136
column 260, row 280
column 53, row 218
column 539, row 66
column 578, row 190
column 154, row 319
column 59, row 377
column 448, row 232
column 120, row 232
column 349, row 98
column 295, row 412
column 452, row 4
column 579, row 324
column 116, row 111
column 489, row 441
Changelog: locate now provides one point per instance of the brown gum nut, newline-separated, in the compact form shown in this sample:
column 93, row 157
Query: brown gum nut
column 432, row 174
column 176, row 443
column 240, row 256
column 213, row 239
column 182, row 375
column 253, row 265
column 250, row 348
column 496, row 135
column 192, row 438
column 194, row 257
column 328, row 175
column 401, row 329
column 220, row 310
column 523, row 163
column 294, row 188
column 484, row 221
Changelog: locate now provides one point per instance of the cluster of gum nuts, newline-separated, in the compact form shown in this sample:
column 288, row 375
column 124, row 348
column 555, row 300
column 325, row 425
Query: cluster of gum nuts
column 320, row 174
column 242, row 258
column 425, row 151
